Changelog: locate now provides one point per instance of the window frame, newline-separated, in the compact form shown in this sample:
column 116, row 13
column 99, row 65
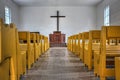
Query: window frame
column 107, row 15
column 7, row 15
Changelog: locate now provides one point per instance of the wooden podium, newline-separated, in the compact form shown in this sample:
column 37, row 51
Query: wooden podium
column 57, row 39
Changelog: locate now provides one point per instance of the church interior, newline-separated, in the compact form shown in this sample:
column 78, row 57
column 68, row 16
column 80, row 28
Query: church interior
column 59, row 39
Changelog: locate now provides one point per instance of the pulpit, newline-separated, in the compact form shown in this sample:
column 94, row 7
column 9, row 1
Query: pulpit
column 57, row 39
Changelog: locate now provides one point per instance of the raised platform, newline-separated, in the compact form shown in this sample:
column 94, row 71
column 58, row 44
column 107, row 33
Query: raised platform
column 58, row 45
column 57, row 39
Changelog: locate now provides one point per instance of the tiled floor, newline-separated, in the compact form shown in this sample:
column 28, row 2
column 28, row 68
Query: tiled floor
column 58, row 64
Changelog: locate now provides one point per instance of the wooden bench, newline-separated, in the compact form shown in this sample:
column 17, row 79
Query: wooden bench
column 73, row 43
column 108, row 51
column 4, row 61
column 36, row 45
column 42, row 44
column 46, row 43
column 8, row 55
column 4, row 69
column 24, row 46
column 21, row 50
column 117, row 68
column 32, row 48
column 68, row 43
column 93, row 45
column 85, row 48
column 77, row 42
column 80, row 45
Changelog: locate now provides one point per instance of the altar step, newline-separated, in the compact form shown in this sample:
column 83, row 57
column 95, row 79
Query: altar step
column 58, row 45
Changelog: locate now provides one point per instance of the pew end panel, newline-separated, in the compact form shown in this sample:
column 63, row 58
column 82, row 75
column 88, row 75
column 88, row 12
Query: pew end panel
column 5, row 69
column 32, row 47
column 85, row 48
column 117, row 68
column 108, row 50
column 94, row 44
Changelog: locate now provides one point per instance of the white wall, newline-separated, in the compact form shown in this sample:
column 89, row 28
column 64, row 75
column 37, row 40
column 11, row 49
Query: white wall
column 14, row 10
column 114, row 12
column 78, row 19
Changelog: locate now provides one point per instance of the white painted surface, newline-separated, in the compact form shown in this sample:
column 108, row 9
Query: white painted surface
column 57, row 2
column 14, row 10
column 114, row 12
column 78, row 19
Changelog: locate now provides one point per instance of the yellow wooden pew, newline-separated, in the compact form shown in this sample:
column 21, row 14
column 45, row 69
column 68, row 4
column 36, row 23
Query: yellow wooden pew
column 83, row 45
column 73, row 44
column 32, row 49
column 80, row 45
column 85, row 49
column 4, row 61
column 4, row 69
column 24, row 42
column 93, row 45
column 70, row 43
column 21, row 50
column 77, row 42
column 46, row 43
column 42, row 44
column 8, row 62
column 36, row 46
column 45, row 39
column 117, row 68
column 108, row 51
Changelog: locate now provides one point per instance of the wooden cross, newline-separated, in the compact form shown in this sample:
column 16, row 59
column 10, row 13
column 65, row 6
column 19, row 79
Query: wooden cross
column 58, row 16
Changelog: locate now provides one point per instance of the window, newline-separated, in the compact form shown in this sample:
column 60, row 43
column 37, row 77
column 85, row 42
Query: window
column 107, row 16
column 7, row 15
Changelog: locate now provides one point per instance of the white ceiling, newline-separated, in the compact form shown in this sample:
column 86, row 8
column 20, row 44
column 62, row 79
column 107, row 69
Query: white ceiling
column 57, row 2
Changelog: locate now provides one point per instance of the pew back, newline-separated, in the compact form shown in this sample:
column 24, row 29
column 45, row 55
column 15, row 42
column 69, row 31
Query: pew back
column 9, row 47
column 94, row 44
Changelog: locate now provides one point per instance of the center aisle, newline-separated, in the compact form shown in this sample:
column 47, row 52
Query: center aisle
column 58, row 64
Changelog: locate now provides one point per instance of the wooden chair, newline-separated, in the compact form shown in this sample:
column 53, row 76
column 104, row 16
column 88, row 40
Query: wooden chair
column 117, row 68
column 93, row 45
column 108, row 51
